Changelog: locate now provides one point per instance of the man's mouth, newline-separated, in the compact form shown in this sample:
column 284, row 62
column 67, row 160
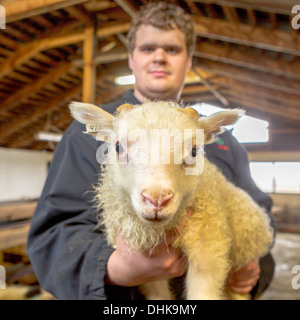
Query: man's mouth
column 159, row 73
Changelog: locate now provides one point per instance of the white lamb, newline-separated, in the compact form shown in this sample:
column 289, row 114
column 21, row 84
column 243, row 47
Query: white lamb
column 141, row 199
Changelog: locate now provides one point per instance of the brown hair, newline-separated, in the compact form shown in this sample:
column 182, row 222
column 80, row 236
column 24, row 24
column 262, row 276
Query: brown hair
column 165, row 16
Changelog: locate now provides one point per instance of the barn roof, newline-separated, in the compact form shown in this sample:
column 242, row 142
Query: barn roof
column 247, row 55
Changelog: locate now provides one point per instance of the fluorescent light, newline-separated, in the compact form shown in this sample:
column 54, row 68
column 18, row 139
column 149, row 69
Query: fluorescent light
column 125, row 80
column 48, row 136
column 246, row 130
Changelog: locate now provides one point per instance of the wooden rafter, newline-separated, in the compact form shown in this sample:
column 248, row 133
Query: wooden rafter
column 292, row 102
column 258, row 37
column 257, row 103
column 252, row 61
column 127, row 7
column 31, row 89
column 27, row 51
column 230, row 13
column 277, row 6
column 21, row 9
column 23, row 121
column 246, row 51
column 89, row 70
column 260, row 79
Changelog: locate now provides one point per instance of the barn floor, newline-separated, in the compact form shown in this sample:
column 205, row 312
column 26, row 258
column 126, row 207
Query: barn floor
column 286, row 253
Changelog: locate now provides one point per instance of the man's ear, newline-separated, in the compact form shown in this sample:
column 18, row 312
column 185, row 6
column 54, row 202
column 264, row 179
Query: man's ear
column 190, row 63
column 214, row 123
column 130, row 61
column 95, row 118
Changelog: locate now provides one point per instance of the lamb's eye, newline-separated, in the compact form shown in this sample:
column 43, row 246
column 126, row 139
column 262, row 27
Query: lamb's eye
column 194, row 151
column 119, row 148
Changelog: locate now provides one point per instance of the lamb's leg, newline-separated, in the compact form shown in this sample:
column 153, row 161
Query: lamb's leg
column 237, row 296
column 206, row 276
column 157, row 290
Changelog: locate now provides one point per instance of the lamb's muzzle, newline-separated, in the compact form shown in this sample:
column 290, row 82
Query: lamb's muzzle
column 156, row 201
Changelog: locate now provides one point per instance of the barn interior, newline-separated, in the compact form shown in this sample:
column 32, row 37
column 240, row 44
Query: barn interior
column 56, row 51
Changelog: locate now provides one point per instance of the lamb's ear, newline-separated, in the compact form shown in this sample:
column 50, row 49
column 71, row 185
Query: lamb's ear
column 87, row 113
column 93, row 117
column 214, row 123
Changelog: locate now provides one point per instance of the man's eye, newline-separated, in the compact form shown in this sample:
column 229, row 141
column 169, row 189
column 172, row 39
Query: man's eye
column 147, row 49
column 172, row 50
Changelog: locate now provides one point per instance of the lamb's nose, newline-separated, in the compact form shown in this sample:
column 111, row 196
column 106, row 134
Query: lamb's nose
column 158, row 200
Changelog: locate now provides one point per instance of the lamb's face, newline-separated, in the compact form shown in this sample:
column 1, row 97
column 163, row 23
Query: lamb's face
column 156, row 153
column 160, row 158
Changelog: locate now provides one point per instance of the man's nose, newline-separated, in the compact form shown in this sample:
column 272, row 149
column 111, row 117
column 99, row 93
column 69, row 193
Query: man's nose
column 160, row 55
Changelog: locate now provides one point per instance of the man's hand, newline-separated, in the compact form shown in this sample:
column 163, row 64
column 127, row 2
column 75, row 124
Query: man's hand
column 244, row 280
column 131, row 268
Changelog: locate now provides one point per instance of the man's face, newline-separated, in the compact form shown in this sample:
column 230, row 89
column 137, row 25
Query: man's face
column 159, row 62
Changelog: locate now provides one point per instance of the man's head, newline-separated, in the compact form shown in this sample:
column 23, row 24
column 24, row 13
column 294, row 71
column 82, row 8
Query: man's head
column 165, row 16
column 161, row 44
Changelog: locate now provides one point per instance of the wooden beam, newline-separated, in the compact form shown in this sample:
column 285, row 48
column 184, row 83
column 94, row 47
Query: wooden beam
column 112, row 30
column 23, row 121
column 127, row 7
column 17, row 211
column 198, row 97
column 276, row 6
column 64, row 40
column 107, row 57
column 28, row 139
column 82, row 15
column 252, row 17
column 21, row 9
column 275, row 40
column 286, row 131
column 21, row 55
column 231, row 14
column 249, row 60
column 274, row 156
column 30, row 89
column 14, row 235
column 89, row 69
column 289, row 100
column 27, row 51
column 261, row 79
column 195, row 89
column 242, row 99
column 211, row 88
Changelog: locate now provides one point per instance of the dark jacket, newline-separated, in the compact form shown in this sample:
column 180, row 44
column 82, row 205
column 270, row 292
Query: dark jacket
column 69, row 257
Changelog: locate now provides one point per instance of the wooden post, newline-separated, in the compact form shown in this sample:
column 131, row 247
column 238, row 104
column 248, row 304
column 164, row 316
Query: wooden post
column 89, row 69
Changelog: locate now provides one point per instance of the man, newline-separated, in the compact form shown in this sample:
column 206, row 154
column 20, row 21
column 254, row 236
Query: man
column 70, row 260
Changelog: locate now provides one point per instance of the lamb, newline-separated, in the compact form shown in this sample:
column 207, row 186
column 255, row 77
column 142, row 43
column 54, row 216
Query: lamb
column 141, row 199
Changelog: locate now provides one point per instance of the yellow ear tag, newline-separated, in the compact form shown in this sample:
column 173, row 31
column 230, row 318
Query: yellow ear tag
column 191, row 112
column 124, row 107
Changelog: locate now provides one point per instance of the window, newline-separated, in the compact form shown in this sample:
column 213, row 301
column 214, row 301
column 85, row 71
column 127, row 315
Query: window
column 246, row 130
column 276, row 177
